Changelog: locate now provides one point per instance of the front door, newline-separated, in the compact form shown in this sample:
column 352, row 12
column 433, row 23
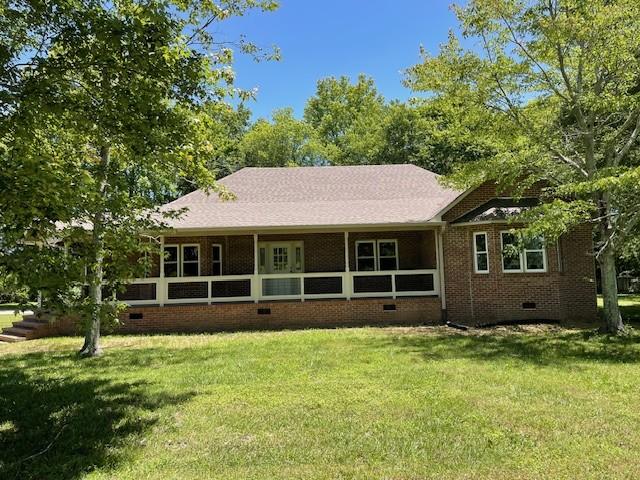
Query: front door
column 280, row 258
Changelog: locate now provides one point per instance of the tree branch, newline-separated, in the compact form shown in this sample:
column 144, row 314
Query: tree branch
column 629, row 143
column 532, row 58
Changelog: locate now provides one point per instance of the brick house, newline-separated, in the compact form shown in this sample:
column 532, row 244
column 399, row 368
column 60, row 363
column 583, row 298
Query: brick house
column 363, row 245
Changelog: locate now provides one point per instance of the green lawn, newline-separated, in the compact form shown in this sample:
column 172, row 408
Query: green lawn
column 630, row 307
column 345, row 403
column 7, row 319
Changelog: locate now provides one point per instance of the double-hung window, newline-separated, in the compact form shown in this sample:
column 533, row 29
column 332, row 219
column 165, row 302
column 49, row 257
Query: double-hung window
column 366, row 256
column 480, row 252
column 372, row 255
column 181, row 261
column 190, row 260
column 531, row 257
column 535, row 259
column 171, row 261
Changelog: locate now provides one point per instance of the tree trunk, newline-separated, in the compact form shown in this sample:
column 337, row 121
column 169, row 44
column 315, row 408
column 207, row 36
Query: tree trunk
column 91, row 347
column 609, row 281
column 607, row 259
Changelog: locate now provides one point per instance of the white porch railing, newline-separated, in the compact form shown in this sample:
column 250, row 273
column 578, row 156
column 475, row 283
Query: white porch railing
column 286, row 286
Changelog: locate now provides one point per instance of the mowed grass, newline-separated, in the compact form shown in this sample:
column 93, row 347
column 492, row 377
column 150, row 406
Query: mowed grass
column 7, row 319
column 629, row 307
column 348, row 403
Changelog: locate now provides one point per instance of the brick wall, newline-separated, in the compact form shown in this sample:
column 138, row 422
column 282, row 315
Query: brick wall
column 416, row 249
column 578, row 288
column 240, row 316
column 237, row 252
column 323, row 252
column 566, row 292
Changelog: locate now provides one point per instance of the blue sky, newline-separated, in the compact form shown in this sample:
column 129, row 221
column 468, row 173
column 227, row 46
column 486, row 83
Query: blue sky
column 320, row 38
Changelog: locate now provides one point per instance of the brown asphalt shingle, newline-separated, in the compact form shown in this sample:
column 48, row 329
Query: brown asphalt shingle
column 318, row 196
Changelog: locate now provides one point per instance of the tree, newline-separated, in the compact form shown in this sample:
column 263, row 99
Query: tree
column 553, row 88
column 357, row 126
column 345, row 117
column 94, row 94
column 283, row 142
column 227, row 127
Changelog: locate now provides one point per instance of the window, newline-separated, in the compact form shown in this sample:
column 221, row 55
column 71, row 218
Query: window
column 374, row 255
column 534, row 255
column 366, row 256
column 190, row 260
column 480, row 252
column 280, row 259
column 531, row 258
column 171, row 261
column 511, row 254
column 216, row 259
column 387, row 255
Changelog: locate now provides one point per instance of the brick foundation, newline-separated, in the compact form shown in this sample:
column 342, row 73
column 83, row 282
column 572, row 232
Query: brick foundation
column 245, row 316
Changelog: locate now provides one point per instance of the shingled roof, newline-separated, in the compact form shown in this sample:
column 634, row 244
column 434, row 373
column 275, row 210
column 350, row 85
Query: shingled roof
column 307, row 197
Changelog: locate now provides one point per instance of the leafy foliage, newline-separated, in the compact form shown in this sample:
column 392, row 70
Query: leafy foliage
column 284, row 142
column 553, row 89
column 349, row 123
column 107, row 107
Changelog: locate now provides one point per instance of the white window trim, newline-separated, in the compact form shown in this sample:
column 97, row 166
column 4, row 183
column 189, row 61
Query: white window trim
column 213, row 262
column 476, row 252
column 544, row 259
column 182, row 260
column 374, row 256
column 504, row 270
column 523, row 259
column 387, row 240
column 376, row 253
column 178, row 256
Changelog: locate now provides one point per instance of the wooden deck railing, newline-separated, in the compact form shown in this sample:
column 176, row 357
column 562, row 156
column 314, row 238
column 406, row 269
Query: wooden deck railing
column 287, row 286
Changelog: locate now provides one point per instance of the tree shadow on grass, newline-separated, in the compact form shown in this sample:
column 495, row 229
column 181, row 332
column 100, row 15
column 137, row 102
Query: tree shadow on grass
column 549, row 348
column 53, row 425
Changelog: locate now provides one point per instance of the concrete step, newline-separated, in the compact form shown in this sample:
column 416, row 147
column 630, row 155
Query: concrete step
column 18, row 332
column 30, row 324
column 35, row 318
column 11, row 338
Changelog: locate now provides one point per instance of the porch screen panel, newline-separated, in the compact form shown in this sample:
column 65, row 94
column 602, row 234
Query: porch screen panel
column 231, row 288
column 138, row 291
column 415, row 283
column 372, row 284
column 322, row 285
column 187, row 290
column 272, row 287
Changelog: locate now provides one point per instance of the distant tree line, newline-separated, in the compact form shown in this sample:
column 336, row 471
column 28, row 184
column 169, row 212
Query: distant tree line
column 346, row 123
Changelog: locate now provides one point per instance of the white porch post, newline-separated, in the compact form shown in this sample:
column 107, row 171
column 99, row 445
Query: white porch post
column 347, row 278
column 440, row 267
column 255, row 289
column 161, row 285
